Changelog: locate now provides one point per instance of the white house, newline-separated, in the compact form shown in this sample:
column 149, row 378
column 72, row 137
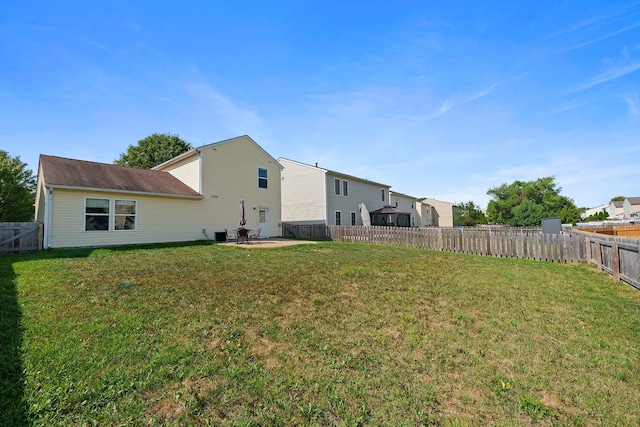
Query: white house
column 187, row 198
column 314, row 195
column 594, row 211
column 631, row 207
column 616, row 209
column 409, row 204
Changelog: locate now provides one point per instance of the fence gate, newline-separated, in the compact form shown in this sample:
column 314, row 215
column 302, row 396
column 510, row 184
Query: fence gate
column 20, row 236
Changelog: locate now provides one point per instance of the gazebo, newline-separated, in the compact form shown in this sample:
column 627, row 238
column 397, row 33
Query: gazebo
column 391, row 216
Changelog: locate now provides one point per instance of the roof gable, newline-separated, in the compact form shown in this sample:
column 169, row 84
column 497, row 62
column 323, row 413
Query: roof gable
column 71, row 173
column 214, row 144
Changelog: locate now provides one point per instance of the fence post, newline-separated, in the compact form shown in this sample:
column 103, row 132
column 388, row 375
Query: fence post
column 598, row 255
column 615, row 260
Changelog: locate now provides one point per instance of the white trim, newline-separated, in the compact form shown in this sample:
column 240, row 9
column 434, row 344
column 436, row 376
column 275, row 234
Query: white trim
column 48, row 197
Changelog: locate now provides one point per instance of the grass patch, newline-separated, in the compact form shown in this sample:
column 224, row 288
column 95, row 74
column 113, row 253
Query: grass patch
column 324, row 334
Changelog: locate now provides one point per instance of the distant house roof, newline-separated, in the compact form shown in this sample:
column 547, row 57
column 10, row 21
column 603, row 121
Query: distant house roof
column 634, row 200
column 395, row 193
column 80, row 174
column 389, row 210
column 618, row 203
column 336, row 173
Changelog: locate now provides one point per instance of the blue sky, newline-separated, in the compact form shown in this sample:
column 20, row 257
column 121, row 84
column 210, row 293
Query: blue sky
column 441, row 99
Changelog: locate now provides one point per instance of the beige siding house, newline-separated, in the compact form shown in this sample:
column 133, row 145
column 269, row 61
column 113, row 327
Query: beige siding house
column 442, row 213
column 616, row 209
column 187, row 198
column 314, row 195
column 631, row 207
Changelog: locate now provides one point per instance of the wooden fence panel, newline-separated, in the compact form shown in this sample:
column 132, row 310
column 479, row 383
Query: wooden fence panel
column 20, row 236
column 620, row 259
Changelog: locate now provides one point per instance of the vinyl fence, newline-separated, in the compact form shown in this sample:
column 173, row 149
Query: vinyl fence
column 20, row 236
column 618, row 256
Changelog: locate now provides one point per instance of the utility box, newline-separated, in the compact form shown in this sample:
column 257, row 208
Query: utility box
column 551, row 225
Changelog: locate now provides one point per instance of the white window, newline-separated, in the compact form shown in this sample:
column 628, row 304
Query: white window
column 338, row 218
column 345, row 188
column 262, row 178
column 396, row 202
column 109, row 215
column 336, row 183
column 96, row 214
column 383, row 194
column 353, row 218
column 124, row 215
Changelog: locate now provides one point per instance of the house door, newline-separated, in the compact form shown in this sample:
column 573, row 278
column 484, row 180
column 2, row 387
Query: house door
column 263, row 222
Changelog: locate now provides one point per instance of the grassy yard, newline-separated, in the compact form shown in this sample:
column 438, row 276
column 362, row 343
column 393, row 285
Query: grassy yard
column 326, row 334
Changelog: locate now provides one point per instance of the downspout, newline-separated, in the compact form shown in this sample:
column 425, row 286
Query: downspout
column 47, row 217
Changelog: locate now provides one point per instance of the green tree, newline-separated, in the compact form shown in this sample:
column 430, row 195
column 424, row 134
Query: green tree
column 618, row 199
column 17, row 190
column 469, row 214
column 153, row 150
column 524, row 204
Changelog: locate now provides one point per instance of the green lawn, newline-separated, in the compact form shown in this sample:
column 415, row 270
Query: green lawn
column 325, row 334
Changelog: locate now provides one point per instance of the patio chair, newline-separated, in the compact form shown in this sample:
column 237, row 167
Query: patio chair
column 243, row 235
column 256, row 234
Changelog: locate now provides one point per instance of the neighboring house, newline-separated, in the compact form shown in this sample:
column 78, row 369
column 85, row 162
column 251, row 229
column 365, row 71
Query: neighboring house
column 188, row 198
column 616, row 209
column 442, row 213
column 408, row 204
column 426, row 212
column 594, row 211
column 314, row 195
column 631, row 207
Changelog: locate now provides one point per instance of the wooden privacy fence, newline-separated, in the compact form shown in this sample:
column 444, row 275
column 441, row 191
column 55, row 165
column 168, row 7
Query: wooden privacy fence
column 617, row 256
column 499, row 242
column 305, row 231
column 20, row 236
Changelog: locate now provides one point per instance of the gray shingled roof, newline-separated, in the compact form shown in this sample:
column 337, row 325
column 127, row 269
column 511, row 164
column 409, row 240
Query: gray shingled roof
column 634, row 200
column 63, row 172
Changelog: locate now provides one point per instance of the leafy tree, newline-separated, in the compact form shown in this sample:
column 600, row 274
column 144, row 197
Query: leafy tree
column 153, row 150
column 600, row 216
column 17, row 189
column 618, row 199
column 524, row 204
column 469, row 214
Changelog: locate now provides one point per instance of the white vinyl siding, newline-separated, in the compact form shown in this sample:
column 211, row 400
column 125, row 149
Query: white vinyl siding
column 166, row 219
column 304, row 198
column 187, row 171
